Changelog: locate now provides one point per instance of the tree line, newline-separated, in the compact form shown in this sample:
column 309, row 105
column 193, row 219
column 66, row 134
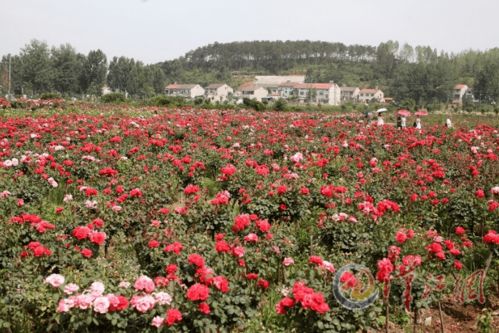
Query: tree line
column 420, row 74
column 39, row 69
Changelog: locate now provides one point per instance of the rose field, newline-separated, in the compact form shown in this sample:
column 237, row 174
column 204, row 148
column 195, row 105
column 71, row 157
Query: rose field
column 129, row 219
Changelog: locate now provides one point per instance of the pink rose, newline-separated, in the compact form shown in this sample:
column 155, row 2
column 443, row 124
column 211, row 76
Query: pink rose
column 71, row 288
column 144, row 283
column 143, row 303
column 163, row 298
column 288, row 261
column 124, row 284
column 328, row 266
column 55, row 280
column 65, row 305
column 157, row 321
column 84, row 301
column 101, row 304
column 97, row 288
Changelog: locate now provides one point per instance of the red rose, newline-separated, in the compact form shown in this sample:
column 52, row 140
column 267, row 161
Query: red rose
column 87, row 253
column 196, row 259
column 81, row 232
column 460, row 231
column 198, row 292
column 204, row 308
column 98, row 237
column 153, row 244
column 173, row 316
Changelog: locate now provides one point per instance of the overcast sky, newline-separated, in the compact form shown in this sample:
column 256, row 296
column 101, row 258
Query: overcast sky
column 157, row 30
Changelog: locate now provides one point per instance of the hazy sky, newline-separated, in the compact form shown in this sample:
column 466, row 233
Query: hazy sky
column 157, row 30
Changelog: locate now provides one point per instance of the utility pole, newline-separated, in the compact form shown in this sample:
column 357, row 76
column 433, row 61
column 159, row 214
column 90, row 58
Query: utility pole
column 10, row 70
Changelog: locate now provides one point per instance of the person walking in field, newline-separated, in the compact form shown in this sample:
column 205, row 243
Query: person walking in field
column 448, row 123
column 380, row 121
column 403, row 122
column 417, row 123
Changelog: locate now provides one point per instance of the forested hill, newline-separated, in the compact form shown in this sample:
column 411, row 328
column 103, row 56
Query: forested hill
column 276, row 56
column 421, row 73
column 232, row 61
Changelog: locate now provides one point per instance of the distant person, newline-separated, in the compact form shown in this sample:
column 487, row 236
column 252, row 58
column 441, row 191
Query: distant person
column 368, row 117
column 417, row 123
column 380, row 121
column 399, row 121
column 448, row 123
column 403, row 122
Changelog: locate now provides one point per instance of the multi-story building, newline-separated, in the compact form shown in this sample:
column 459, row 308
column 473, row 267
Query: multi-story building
column 319, row 93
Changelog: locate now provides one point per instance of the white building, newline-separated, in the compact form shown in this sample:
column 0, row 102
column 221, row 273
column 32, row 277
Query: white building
column 350, row 94
column 184, row 90
column 367, row 95
column 218, row 92
column 288, row 90
column 319, row 93
column 276, row 80
column 252, row 91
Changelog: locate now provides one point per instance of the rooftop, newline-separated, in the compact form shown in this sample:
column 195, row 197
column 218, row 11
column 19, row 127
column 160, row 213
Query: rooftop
column 215, row 85
column 180, row 86
column 278, row 79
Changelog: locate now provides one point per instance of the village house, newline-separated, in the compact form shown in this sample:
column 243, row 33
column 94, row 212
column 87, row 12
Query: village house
column 319, row 93
column 367, row 95
column 350, row 94
column 184, row 90
column 273, row 82
column 218, row 92
column 252, row 91
column 459, row 92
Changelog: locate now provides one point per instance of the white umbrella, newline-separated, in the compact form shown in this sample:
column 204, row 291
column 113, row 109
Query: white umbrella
column 381, row 110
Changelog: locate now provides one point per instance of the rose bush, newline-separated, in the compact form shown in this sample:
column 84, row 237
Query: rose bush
column 189, row 220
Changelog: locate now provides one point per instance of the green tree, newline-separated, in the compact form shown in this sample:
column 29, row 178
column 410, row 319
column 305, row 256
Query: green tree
column 67, row 66
column 487, row 78
column 93, row 75
column 36, row 68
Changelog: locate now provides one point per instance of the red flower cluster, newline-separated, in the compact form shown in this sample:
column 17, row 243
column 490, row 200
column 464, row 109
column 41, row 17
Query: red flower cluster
column 306, row 297
column 492, row 237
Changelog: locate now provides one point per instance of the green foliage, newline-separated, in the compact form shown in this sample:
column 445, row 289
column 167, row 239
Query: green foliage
column 253, row 104
column 36, row 68
column 93, row 74
column 485, row 323
column 113, row 98
column 67, row 67
column 280, row 105
column 162, row 100
column 50, row 95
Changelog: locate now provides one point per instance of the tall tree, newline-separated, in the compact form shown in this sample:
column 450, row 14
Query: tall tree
column 67, row 67
column 386, row 59
column 487, row 78
column 93, row 75
column 36, row 68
